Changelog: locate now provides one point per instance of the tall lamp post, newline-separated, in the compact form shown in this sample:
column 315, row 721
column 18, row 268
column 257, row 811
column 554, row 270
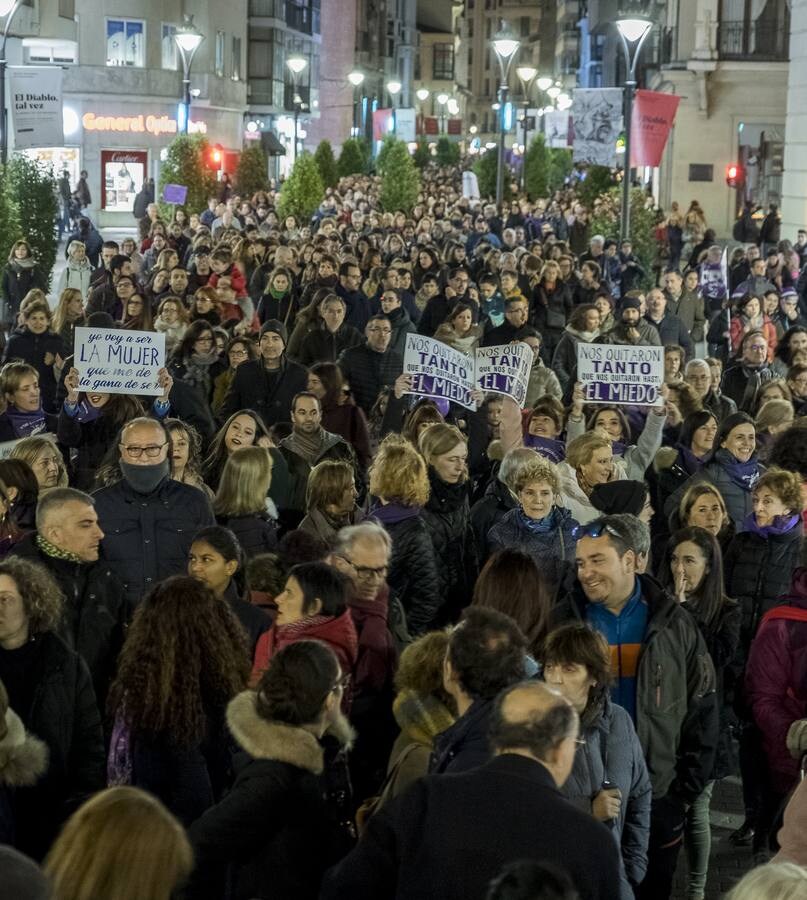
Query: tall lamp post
column 633, row 29
column 526, row 74
column 356, row 78
column 505, row 43
column 187, row 37
column 7, row 10
column 423, row 95
column 296, row 65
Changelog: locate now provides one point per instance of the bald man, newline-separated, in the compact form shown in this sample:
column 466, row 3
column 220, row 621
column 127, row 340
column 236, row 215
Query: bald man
column 448, row 837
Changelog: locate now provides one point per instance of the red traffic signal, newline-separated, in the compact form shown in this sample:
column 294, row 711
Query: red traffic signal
column 735, row 175
column 214, row 157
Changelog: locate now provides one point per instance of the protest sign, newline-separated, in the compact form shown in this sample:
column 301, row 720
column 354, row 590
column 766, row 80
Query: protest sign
column 438, row 370
column 620, row 373
column 175, row 193
column 113, row 361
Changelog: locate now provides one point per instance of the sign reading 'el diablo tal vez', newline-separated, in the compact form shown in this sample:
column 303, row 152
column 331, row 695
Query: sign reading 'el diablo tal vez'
column 618, row 373
column 113, row 361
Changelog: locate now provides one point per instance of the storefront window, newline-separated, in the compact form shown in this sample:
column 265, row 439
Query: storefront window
column 122, row 174
column 59, row 159
column 125, row 42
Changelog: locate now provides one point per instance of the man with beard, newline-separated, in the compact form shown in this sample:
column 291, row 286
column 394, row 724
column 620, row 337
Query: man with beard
column 148, row 519
column 632, row 328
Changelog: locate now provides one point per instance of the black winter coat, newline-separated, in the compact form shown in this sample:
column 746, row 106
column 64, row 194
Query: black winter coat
column 95, row 611
column 465, row 744
column 489, row 511
column 273, row 831
column 268, row 393
column 300, row 469
column 31, row 348
column 148, row 536
column 256, row 533
column 17, row 281
column 321, row 345
column 368, row 372
column 550, row 312
column 64, row 714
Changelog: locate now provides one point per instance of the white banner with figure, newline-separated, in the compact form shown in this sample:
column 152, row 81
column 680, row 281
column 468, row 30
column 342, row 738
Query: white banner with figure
column 116, row 361
column 35, row 98
column 597, row 121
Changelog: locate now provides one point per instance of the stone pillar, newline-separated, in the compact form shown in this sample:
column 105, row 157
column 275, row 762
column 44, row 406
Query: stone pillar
column 794, row 182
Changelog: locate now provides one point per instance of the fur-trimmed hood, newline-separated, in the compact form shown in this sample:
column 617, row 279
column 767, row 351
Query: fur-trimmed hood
column 263, row 739
column 23, row 757
column 664, row 459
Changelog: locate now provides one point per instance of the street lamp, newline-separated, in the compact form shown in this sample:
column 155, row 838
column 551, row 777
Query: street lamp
column 7, row 10
column 442, row 99
column 423, row 95
column 505, row 43
column 187, row 37
column 296, row 65
column 526, row 74
column 544, row 83
column 633, row 28
column 394, row 88
column 356, row 78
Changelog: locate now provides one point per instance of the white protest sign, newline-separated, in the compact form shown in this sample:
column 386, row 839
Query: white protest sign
column 504, row 369
column 438, row 370
column 619, row 373
column 35, row 94
column 116, row 361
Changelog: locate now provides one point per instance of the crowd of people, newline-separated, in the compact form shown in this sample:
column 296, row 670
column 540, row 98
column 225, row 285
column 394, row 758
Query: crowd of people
column 289, row 630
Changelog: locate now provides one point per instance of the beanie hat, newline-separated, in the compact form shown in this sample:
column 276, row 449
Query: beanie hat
column 619, row 497
column 631, row 303
column 276, row 327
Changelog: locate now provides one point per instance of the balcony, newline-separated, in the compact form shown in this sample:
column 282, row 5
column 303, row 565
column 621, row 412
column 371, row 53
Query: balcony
column 758, row 41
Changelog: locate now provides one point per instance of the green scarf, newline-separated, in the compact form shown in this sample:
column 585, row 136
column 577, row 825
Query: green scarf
column 420, row 717
column 55, row 552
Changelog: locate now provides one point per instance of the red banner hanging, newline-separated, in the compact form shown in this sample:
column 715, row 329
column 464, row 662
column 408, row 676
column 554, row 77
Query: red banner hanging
column 653, row 117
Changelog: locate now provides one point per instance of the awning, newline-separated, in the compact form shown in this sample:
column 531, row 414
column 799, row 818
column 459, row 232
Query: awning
column 271, row 144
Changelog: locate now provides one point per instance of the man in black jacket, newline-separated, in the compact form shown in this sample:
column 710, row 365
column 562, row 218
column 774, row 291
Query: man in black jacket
column 663, row 677
column 67, row 543
column 148, row 519
column 449, row 837
column 485, row 655
column 269, row 384
column 515, row 326
column 670, row 328
column 372, row 366
column 349, row 289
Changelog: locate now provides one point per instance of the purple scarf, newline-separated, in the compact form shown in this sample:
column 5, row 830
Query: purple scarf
column 744, row 474
column 780, row 525
column 554, row 451
column 87, row 412
column 690, row 462
column 26, row 424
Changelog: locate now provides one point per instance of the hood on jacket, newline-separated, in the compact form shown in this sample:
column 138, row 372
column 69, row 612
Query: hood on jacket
column 664, row 459
column 392, row 513
column 263, row 739
column 23, row 757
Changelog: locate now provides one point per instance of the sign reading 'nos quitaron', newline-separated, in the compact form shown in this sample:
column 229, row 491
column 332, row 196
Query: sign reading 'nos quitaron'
column 617, row 373
column 113, row 361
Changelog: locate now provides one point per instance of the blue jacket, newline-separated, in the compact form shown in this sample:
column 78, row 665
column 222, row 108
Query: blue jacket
column 465, row 745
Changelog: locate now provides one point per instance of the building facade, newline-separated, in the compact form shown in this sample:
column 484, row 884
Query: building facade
column 122, row 86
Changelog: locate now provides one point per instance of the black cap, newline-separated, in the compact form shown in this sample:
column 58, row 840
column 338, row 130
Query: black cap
column 277, row 327
column 619, row 497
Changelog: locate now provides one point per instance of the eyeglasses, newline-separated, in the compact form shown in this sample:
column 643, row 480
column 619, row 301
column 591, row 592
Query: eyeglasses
column 594, row 530
column 365, row 572
column 238, row 353
column 152, row 451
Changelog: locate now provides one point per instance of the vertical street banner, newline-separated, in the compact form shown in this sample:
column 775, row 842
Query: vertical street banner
column 620, row 373
column 597, row 118
column 651, row 122
column 556, row 128
column 35, row 94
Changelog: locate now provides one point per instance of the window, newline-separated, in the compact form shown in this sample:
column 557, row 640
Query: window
column 170, row 57
column 219, row 64
column 44, row 52
column 443, row 62
column 525, row 26
column 125, row 42
column 236, row 60
column 123, row 172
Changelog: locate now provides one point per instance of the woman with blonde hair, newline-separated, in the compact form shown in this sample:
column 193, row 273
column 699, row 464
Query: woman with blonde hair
column 45, row 459
column 773, row 881
column 68, row 314
column 774, row 417
column 448, row 516
column 399, row 487
column 330, row 500
column 122, row 844
column 589, row 461
column 242, row 503
column 78, row 271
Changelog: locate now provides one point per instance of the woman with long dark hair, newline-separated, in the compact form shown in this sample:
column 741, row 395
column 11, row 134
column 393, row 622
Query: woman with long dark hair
column 693, row 572
column 184, row 658
column 340, row 415
column 196, row 361
column 673, row 466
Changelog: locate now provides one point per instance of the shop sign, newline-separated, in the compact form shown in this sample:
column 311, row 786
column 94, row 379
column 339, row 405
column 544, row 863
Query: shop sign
column 147, row 124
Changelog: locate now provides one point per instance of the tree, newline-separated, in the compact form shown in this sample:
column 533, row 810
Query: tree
column 353, row 158
column 10, row 229
column 486, row 167
column 536, row 167
column 448, row 153
column 400, row 182
column 252, row 172
column 185, row 164
column 326, row 163
column 560, row 167
column 598, row 180
column 422, row 155
column 383, row 152
column 606, row 221
column 33, row 187
column 302, row 191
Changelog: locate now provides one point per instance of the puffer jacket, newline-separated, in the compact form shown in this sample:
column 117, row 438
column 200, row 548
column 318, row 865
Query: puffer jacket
column 758, row 571
column 552, row 551
column 23, row 760
column 447, row 515
column 676, row 702
column 488, row 511
column 637, row 457
column 669, row 471
column 612, row 753
column 413, row 568
column 368, row 372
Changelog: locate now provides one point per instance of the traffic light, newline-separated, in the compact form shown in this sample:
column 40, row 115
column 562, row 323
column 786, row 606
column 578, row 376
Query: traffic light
column 735, row 175
column 214, row 157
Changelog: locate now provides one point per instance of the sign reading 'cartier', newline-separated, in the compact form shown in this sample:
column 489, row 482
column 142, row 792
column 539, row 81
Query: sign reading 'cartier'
column 156, row 125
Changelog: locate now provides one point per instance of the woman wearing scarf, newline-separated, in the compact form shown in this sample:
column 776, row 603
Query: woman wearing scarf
column 23, row 415
column 584, row 325
column 20, row 275
column 89, row 422
column 196, row 360
column 38, row 346
column 733, row 468
column 340, row 414
column 750, row 317
column 540, row 525
column 673, row 466
column 543, row 427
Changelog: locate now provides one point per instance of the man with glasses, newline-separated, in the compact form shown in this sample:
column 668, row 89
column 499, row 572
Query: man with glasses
column 148, row 519
column 752, row 364
column 662, row 675
column 373, row 365
column 698, row 376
